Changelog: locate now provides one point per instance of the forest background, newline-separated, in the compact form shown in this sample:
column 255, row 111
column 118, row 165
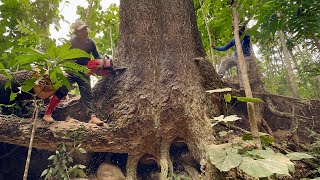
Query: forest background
column 266, row 22
column 285, row 35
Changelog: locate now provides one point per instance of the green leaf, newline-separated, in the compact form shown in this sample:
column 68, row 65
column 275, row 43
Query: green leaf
column 1, row 66
column 44, row 172
column 81, row 150
column 247, row 99
column 263, row 167
column 8, row 84
column 227, row 98
column 70, row 159
column 13, row 96
column 219, row 90
column 64, row 48
column 81, row 166
column 81, row 173
column 51, row 157
column 62, row 79
column 224, row 160
column 73, row 53
column 298, row 156
column 31, row 52
column 28, row 85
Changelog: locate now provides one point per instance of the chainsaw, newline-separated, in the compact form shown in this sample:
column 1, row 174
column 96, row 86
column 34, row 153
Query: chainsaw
column 100, row 67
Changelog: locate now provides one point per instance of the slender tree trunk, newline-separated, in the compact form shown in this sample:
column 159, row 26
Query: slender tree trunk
column 294, row 60
column 209, row 35
column 245, row 78
column 88, row 12
column 292, row 76
column 34, row 127
column 275, row 61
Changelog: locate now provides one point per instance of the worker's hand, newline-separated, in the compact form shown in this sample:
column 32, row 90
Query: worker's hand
column 213, row 46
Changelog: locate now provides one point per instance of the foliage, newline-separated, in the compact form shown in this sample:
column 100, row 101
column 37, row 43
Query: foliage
column 62, row 163
column 49, row 63
column 256, row 163
column 38, row 14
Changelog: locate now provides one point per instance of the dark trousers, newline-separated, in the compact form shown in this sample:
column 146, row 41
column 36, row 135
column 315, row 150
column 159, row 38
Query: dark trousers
column 85, row 91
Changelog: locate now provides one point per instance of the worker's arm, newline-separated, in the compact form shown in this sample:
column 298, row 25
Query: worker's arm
column 246, row 38
column 226, row 47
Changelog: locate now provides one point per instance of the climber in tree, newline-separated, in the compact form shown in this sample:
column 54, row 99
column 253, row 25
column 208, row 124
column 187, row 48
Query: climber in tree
column 233, row 60
column 82, row 41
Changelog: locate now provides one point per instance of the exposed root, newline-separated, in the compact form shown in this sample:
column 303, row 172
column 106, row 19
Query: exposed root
column 266, row 126
column 194, row 174
column 164, row 159
column 274, row 110
column 131, row 167
column 235, row 127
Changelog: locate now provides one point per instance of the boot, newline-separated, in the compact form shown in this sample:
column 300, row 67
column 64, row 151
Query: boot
column 53, row 104
column 48, row 119
column 96, row 121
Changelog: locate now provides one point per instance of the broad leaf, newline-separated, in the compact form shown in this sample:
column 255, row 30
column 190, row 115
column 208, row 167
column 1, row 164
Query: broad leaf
column 74, row 53
column 263, row 167
column 298, row 156
column 224, row 160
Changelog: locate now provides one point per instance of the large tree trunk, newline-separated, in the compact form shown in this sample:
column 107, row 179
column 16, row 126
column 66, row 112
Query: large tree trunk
column 161, row 95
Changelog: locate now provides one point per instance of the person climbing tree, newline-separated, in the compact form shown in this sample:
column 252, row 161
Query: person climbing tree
column 233, row 60
column 82, row 41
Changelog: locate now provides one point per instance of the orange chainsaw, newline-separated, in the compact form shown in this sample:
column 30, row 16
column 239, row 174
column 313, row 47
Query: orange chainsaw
column 100, row 67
